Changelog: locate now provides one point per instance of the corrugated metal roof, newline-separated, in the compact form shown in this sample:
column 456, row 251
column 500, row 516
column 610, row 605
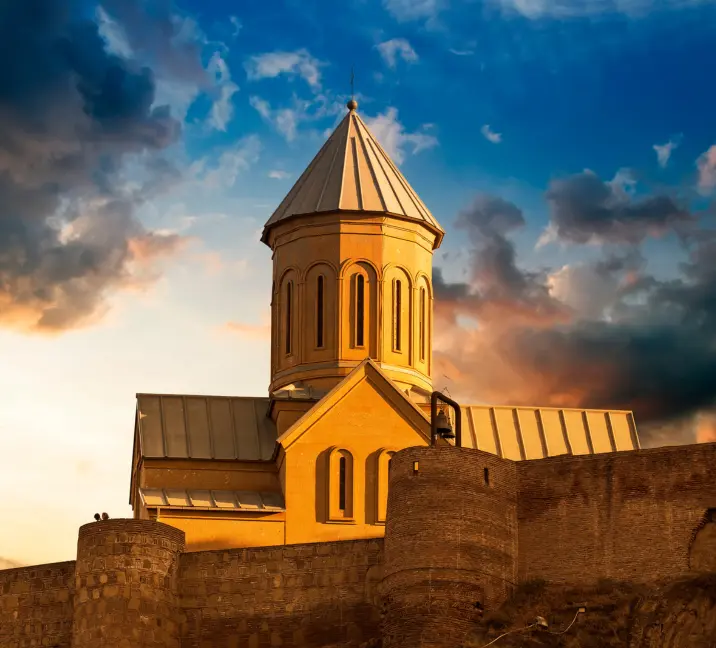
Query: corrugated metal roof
column 205, row 427
column 519, row 433
column 178, row 498
column 353, row 172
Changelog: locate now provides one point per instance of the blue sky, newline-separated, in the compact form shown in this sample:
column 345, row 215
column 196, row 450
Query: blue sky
column 130, row 258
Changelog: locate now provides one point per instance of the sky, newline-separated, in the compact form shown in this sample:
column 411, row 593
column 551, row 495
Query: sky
column 567, row 147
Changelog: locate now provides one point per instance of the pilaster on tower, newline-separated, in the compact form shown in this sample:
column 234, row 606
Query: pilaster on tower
column 352, row 269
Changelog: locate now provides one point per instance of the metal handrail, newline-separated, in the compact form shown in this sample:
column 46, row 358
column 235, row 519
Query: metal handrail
column 434, row 398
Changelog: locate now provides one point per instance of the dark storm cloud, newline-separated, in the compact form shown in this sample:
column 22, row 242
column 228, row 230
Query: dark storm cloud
column 70, row 116
column 585, row 208
column 655, row 353
column 495, row 282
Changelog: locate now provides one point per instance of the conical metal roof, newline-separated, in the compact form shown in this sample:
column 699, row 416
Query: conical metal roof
column 352, row 172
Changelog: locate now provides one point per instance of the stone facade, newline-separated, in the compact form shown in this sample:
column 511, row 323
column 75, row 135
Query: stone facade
column 465, row 530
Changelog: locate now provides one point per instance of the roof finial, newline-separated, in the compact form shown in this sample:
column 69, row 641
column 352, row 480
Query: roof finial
column 352, row 104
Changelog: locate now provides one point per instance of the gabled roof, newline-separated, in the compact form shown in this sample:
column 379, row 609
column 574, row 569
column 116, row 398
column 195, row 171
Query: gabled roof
column 204, row 427
column 353, row 173
column 366, row 369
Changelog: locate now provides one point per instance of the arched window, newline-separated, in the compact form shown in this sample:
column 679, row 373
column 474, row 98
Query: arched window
column 423, row 318
column 382, row 476
column 397, row 314
column 289, row 316
column 340, row 486
column 320, row 309
column 360, row 310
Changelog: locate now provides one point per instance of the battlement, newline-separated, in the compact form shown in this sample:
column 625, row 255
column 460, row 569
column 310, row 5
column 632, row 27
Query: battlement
column 464, row 529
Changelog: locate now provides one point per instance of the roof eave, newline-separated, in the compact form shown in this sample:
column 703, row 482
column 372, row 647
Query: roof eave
column 437, row 231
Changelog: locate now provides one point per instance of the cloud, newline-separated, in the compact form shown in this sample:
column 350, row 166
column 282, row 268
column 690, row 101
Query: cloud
column 69, row 235
column 586, row 209
column 236, row 24
column 273, row 64
column 6, row 563
column 457, row 52
column 287, row 120
column 407, row 10
column 391, row 135
column 250, row 331
column 602, row 334
column 396, row 48
column 277, row 174
column 564, row 9
column 664, row 151
column 223, row 172
column 222, row 110
column 490, row 135
column 706, row 165
column 284, row 120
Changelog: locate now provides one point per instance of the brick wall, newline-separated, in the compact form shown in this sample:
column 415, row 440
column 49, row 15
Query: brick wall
column 450, row 544
column 126, row 577
column 36, row 606
column 628, row 515
column 295, row 595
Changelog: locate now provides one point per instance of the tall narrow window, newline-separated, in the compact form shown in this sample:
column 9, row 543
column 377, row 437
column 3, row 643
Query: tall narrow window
column 342, row 484
column 422, row 324
column 319, row 311
column 360, row 310
column 289, row 314
column 397, row 308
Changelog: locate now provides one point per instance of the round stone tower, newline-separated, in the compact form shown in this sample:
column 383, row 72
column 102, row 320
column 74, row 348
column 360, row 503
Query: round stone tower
column 126, row 585
column 450, row 543
column 352, row 267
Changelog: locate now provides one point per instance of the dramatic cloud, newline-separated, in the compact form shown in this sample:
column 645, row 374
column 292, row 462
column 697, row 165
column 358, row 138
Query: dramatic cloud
column 603, row 334
column 391, row 134
column 490, row 135
column 706, row 165
column 72, row 114
column 664, row 151
column 273, row 64
column 396, row 48
column 586, row 209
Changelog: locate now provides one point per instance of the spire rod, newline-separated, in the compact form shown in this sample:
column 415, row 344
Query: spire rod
column 352, row 104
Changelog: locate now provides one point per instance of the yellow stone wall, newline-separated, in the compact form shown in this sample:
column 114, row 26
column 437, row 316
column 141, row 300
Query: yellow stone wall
column 366, row 425
column 341, row 246
column 206, row 530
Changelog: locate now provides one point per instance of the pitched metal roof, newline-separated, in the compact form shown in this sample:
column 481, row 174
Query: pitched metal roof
column 519, row 433
column 178, row 498
column 352, row 172
column 205, row 427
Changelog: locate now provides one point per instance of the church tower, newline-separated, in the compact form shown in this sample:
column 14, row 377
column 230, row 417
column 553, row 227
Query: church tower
column 352, row 251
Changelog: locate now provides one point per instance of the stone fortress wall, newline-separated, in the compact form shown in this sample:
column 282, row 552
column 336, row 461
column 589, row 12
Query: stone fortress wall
column 464, row 529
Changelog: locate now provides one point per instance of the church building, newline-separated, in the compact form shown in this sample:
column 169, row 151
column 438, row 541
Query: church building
column 351, row 367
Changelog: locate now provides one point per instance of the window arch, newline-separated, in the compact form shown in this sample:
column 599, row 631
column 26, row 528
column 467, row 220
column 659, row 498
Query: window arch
column 340, row 486
column 423, row 322
column 360, row 310
column 320, row 311
column 289, row 317
column 382, row 476
column 397, row 314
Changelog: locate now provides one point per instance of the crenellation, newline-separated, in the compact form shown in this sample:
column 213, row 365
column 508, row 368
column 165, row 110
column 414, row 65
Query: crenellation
column 456, row 546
